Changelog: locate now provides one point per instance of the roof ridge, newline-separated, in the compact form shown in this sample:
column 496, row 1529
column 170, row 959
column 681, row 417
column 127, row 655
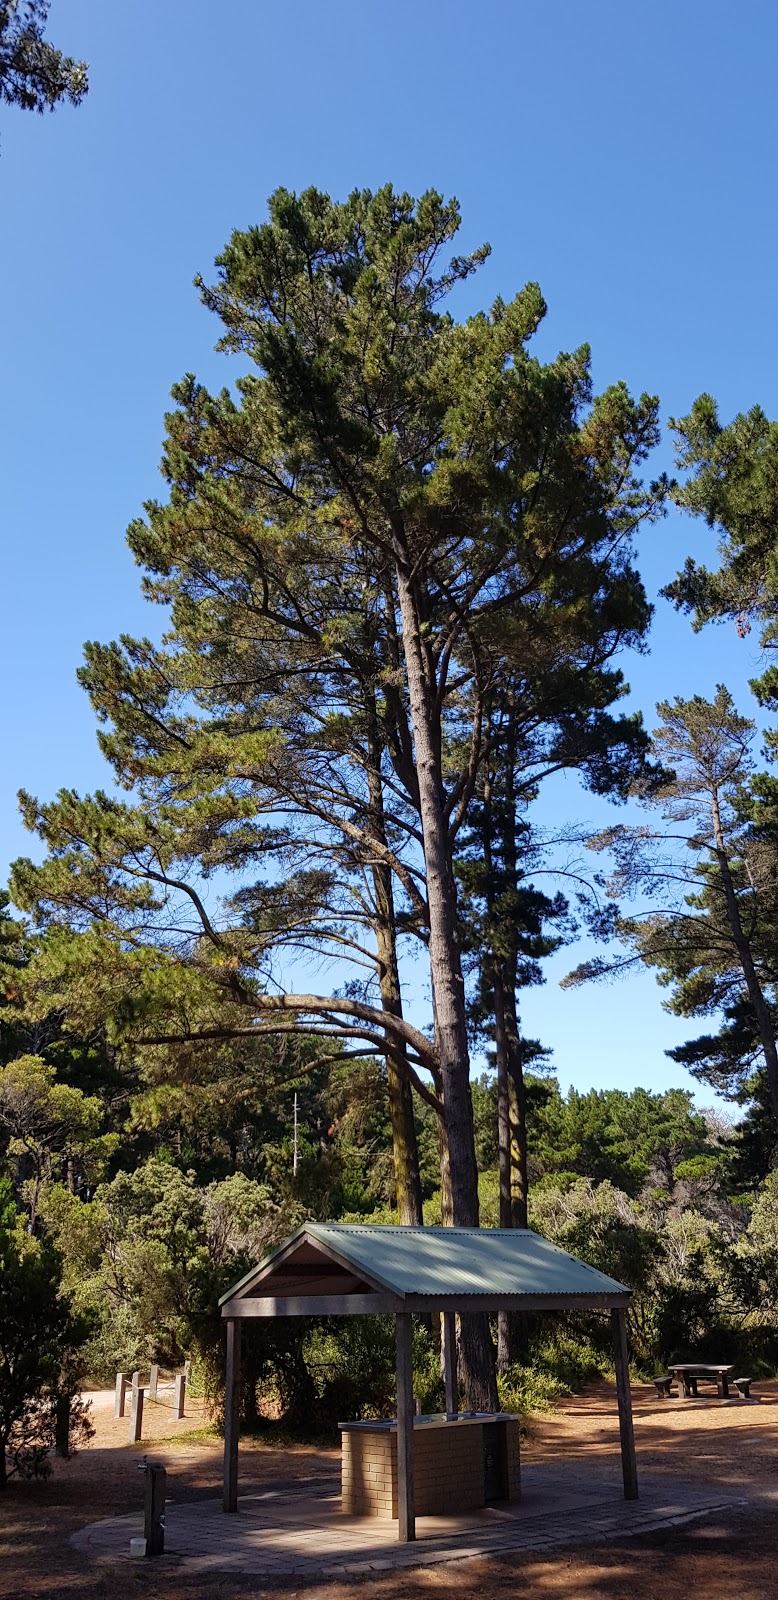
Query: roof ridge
column 421, row 1227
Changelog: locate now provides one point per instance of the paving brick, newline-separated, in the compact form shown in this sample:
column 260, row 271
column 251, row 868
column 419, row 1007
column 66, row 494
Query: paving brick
column 303, row 1533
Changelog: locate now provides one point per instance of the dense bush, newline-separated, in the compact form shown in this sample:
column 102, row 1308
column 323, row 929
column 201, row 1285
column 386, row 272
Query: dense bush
column 40, row 1341
column 149, row 1255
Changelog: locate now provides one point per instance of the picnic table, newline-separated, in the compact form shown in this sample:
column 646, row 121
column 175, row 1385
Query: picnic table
column 687, row 1374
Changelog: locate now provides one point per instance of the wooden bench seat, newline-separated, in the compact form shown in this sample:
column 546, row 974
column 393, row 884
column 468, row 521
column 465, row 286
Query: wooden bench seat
column 663, row 1386
column 743, row 1386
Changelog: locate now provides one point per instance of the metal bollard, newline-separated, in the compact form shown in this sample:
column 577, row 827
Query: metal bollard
column 154, row 1506
column 179, row 1393
column 122, row 1385
column 136, row 1414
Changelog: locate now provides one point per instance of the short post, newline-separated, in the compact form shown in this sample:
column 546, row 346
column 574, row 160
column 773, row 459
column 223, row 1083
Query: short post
column 62, row 1426
column 154, row 1508
column 231, row 1416
column 136, row 1414
column 179, row 1394
column 450, row 1360
column 406, row 1511
column 122, row 1385
column 153, row 1381
column 187, row 1370
column 624, row 1398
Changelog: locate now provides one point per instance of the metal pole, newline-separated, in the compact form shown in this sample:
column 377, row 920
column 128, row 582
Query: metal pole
column 621, row 1355
column 231, row 1416
column 406, row 1516
column 294, row 1157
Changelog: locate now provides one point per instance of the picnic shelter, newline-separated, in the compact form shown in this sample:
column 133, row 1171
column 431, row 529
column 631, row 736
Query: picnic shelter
column 344, row 1269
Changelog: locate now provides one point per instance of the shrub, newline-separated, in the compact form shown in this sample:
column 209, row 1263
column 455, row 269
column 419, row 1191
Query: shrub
column 40, row 1338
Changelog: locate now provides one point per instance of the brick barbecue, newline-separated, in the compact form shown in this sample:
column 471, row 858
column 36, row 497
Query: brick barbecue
column 460, row 1462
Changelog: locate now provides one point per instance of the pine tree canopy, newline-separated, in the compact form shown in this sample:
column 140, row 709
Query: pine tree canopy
column 708, row 881
column 33, row 74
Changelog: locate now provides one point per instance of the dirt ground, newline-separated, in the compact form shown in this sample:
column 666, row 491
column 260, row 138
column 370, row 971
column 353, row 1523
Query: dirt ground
column 734, row 1557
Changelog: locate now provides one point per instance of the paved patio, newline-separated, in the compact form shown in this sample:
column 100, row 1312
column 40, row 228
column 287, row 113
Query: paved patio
column 300, row 1531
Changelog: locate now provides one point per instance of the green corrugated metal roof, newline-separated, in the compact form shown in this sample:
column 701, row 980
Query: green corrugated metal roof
column 463, row 1260
column 451, row 1261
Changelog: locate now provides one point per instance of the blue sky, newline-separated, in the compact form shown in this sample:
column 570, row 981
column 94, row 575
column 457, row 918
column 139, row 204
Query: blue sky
column 622, row 155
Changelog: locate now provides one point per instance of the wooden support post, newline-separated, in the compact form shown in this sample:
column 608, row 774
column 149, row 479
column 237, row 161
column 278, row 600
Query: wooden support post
column 122, row 1385
column 450, row 1359
column 62, row 1426
column 153, row 1381
column 179, row 1394
column 136, row 1414
column 154, row 1509
column 406, row 1515
column 231, row 1416
column 621, row 1356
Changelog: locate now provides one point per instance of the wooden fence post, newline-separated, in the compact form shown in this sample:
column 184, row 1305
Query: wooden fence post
column 179, row 1393
column 153, row 1381
column 122, row 1384
column 136, row 1414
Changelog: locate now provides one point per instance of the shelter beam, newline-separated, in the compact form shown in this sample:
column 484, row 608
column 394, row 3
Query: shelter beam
column 311, row 1305
column 231, row 1417
column 626, row 1430
column 475, row 1300
column 406, row 1514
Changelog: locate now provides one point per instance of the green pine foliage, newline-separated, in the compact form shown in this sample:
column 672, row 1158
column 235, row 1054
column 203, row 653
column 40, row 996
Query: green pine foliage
column 33, row 73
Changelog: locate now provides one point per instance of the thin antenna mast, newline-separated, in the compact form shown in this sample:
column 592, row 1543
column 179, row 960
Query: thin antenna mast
column 294, row 1156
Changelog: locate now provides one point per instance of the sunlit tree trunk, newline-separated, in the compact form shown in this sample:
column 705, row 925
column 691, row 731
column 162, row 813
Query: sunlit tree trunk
column 476, row 1354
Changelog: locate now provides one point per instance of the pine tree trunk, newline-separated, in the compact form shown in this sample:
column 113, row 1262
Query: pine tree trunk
column 446, row 1199
column 476, row 1354
column 755, row 994
column 519, row 1177
column 503, row 1101
column 517, row 1095
column 405, row 1149
column 512, row 1137
column 445, row 966
column 504, row 1318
